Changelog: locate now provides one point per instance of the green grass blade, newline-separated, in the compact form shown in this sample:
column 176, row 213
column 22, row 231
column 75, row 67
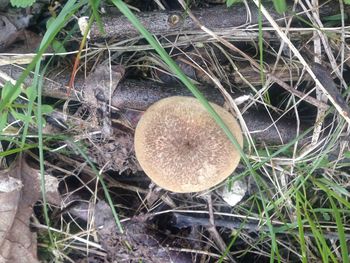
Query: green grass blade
column 280, row 6
column 331, row 193
column 341, row 232
column 38, row 83
column 94, row 6
column 322, row 245
column 18, row 150
column 300, row 228
column 335, row 211
column 49, row 36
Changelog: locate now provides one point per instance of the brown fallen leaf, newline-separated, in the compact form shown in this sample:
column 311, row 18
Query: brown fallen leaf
column 12, row 23
column 100, row 84
column 19, row 190
column 8, row 32
column 23, row 43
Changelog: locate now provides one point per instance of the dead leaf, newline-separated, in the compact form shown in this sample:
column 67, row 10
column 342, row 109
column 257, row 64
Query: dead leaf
column 25, row 42
column 100, row 84
column 8, row 32
column 17, row 242
column 4, row 4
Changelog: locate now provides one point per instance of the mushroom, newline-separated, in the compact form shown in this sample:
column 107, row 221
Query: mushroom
column 181, row 147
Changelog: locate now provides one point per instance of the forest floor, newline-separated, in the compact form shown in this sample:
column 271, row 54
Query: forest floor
column 77, row 77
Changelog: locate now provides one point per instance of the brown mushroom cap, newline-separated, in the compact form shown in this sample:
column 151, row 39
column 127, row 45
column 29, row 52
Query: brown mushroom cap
column 182, row 149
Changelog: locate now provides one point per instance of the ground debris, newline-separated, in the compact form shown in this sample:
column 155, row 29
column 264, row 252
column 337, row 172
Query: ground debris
column 135, row 244
column 117, row 154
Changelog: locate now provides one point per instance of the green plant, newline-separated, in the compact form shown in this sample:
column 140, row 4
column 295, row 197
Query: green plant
column 231, row 2
column 280, row 5
column 22, row 3
column 17, row 110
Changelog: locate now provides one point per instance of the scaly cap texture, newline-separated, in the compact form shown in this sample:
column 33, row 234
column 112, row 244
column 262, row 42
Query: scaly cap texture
column 182, row 149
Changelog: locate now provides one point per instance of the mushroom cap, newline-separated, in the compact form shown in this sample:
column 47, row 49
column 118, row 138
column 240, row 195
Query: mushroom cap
column 181, row 147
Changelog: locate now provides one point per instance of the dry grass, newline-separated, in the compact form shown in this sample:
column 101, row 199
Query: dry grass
column 296, row 209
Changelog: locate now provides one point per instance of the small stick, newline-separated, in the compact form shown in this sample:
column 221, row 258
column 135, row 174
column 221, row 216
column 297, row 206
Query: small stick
column 299, row 94
column 77, row 58
column 212, row 228
column 326, row 79
column 238, row 27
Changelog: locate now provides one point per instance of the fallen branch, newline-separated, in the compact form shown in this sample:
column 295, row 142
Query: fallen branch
column 184, row 221
column 139, row 95
column 178, row 22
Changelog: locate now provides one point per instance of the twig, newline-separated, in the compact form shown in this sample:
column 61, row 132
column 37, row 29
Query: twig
column 299, row 94
column 217, row 37
column 321, row 113
column 235, row 27
column 212, row 229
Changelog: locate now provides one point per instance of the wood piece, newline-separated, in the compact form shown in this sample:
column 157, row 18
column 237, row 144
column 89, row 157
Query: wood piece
column 54, row 82
column 133, row 94
column 174, row 22
column 139, row 95
column 327, row 81
column 317, row 103
column 263, row 129
column 217, row 18
column 184, row 221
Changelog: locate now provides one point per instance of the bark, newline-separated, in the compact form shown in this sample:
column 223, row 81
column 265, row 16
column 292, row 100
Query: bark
column 54, row 84
column 56, row 81
column 219, row 19
column 134, row 94
column 184, row 221
column 139, row 95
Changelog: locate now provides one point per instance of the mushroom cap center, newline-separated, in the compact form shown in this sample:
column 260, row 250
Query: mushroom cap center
column 182, row 149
